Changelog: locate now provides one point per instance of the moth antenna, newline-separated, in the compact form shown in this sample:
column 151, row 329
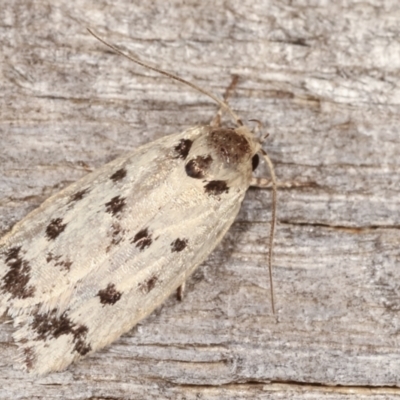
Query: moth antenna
column 238, row 121
column 273, row 223
column 172, row 76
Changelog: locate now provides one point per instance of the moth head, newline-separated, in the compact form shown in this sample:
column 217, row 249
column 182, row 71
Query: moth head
column 234, row 146
column 223, row 153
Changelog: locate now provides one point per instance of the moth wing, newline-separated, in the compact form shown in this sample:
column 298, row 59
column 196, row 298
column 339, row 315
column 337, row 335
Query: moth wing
column 71, row 234
column 145, row 277
column 155, row 236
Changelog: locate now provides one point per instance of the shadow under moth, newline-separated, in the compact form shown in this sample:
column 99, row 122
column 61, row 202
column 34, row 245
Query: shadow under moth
column 102, row 254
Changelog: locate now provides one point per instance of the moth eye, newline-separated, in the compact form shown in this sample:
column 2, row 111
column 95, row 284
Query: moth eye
column 255, row 161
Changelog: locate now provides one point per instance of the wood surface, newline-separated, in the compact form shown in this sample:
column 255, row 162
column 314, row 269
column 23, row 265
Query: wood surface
column 324, row 80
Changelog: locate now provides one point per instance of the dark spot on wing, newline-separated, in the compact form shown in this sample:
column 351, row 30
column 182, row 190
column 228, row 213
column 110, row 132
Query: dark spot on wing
column 51, row 257
column 52, row 325
column 118, row 175
column 29, row 357
column 255, row 161
column 197, row 167
column 81, row 346
column 109, row 295
column 178, row 245
column 231, row 147
column 78, row 195
column 58, row 262
column 117, row 235
column 215, row 188
column 115, row 205
column 65, row 264
column 16, row 280
column 183, row 148
column 143, row 239
column 148, row 285
column 55, row 228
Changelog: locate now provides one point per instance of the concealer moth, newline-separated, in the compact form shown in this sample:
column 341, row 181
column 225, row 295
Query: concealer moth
column 102, row 254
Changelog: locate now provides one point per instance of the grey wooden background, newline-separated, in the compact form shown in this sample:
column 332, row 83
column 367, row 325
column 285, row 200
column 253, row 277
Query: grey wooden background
column 324, row 79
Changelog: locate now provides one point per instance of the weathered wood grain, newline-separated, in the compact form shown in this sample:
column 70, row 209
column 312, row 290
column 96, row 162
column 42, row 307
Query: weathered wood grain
column 324, row 80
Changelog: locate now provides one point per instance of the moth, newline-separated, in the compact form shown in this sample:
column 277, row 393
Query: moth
column 102, row 254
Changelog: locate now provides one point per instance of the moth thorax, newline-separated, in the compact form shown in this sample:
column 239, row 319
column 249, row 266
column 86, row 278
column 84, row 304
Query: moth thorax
column 230, row 146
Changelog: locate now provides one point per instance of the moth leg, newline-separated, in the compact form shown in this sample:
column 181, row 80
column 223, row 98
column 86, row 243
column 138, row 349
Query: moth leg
column 216, row 122
column 264, row 183
column 261, row 182
column 180, row 291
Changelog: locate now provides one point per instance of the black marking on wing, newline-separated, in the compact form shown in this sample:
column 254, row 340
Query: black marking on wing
column 81, row 346
column 148, row 285
column 78, row 195
column 143, row 239
column 178, row 245
column 109, row 295
column 118, row 175
column 182, row 149
column 197, row 167
column 115, row 205
column 117, row 235
column 52, row 325
column 58, row 262
column 215, row 188
column 16, row 280
column 55, row 228
column 29, row 357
